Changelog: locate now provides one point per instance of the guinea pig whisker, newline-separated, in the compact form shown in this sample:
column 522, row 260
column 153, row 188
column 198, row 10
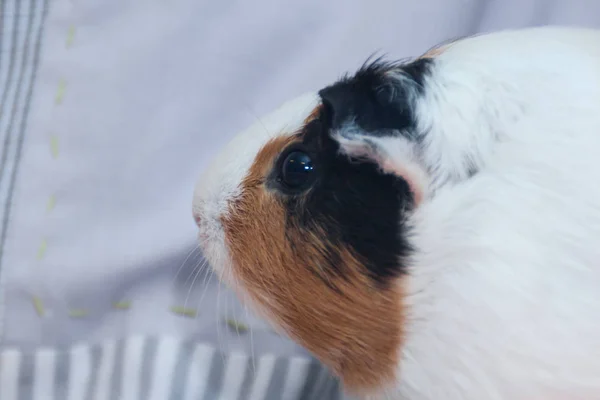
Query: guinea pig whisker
column 252, row 355
column 196, row 248
column 260, row 121
column 219, row 335
column 198, row 269
column 255, row 116
column 208, row 276
column 194, row 270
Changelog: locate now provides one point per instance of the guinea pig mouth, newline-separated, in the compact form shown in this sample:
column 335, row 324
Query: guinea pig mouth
column 203, row 237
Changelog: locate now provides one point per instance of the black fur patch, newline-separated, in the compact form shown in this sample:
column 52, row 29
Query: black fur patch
column 376, row 101
column 353, row 202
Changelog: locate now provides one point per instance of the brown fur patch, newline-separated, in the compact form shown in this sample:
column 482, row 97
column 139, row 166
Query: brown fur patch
column 314, row 114
column 440, row 48
column 351, row 325
column 435, row 51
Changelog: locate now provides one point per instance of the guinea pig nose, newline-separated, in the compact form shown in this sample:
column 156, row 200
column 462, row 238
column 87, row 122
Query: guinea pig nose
column 197, row 218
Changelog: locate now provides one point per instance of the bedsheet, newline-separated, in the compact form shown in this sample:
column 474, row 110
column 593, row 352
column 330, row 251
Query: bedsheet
column 109, row 110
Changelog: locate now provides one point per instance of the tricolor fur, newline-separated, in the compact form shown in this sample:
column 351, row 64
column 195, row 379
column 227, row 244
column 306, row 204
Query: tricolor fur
column 446, row 244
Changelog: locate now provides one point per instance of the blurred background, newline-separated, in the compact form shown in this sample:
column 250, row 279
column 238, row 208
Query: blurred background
column 109, row 111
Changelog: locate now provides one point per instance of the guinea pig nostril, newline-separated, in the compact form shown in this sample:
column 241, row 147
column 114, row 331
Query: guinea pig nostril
column 197, row 219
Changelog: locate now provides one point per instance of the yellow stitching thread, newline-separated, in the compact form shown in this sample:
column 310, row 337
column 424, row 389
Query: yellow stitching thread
column 39, row 306
column 236, row 326
column 122, row 305
column 60, row 91
column 78, row 313
column 70, row 36
column 51, row 203
column 42, row 249
column 186, row 312
column 54, row 148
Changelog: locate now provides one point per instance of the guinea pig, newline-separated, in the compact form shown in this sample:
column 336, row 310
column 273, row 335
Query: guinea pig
column 428, row 229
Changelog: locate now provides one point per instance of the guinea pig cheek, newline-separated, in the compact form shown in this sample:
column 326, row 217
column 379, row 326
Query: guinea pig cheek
column 352, row 325
column 315, row 289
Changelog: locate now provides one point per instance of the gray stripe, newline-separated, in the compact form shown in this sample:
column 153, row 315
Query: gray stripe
column 61, row 377
column 311, row 384
column 275, row 389
column 332, row 389
column 22, row 128
column 215, row 378
column 117, row 370
column 148, row 357
column 19, row 89
column 95, row 357
column 26, row 376
column 10, row 81
column 249, row 377
column 11, row 59
column 181, row 371
column 323, row 382
column 2, row 33
column 24, row 61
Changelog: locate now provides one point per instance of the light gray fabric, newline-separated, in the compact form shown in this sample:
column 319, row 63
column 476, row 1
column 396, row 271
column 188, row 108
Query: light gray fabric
column 108, row 112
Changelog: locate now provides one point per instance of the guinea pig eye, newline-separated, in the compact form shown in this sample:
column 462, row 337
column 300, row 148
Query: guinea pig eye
column 296, row 170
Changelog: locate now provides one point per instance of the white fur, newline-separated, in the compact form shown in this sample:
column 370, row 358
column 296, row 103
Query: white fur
column 504, row 289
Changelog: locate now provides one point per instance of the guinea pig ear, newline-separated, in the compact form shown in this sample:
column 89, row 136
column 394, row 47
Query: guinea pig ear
column 395, row 155
column 372, row 116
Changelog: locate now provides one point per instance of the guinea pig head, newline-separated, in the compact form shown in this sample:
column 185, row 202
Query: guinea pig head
column 304, row 215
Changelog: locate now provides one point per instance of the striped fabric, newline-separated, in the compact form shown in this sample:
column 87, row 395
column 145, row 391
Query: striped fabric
column 21, row 27
column 158, row 369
